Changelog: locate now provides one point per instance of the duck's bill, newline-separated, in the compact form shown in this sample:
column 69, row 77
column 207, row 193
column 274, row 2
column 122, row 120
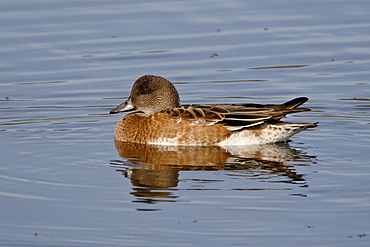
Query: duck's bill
column 124, row 107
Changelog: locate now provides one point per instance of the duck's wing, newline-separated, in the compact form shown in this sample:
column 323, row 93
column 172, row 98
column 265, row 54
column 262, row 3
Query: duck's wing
column 237, row 116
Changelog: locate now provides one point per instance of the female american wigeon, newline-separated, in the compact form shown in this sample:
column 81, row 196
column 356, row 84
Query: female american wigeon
column 160, row 119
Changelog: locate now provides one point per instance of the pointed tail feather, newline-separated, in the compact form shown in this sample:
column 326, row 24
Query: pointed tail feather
column 291, row 104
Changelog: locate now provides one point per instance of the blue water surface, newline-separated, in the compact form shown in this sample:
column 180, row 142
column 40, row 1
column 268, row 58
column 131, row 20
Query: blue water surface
column 65, row 64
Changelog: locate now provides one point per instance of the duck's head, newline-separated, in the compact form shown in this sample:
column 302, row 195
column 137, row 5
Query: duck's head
column 150, row 94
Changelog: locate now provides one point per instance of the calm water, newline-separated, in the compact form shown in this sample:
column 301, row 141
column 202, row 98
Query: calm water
column 65, row 64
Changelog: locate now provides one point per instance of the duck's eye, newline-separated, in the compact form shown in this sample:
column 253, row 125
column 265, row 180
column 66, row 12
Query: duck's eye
column 145, row 91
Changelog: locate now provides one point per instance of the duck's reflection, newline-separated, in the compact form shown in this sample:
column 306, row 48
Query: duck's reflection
column 154, row 169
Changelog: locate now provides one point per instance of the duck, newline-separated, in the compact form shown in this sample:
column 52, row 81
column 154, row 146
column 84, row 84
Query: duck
column 157, row 117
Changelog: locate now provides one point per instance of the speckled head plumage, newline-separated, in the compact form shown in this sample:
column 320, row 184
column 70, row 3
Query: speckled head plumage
column 150, row 94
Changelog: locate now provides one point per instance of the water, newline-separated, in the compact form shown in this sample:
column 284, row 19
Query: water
column 65, row 64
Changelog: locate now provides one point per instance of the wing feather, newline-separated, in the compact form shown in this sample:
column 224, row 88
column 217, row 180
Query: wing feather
column 237, row 116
